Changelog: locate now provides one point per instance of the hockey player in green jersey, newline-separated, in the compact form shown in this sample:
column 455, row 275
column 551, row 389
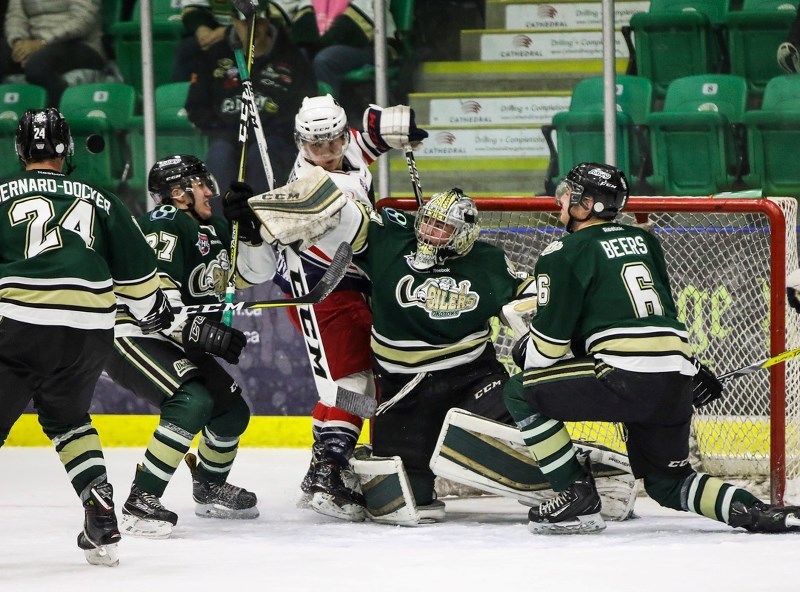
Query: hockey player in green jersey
column 176, row 370
column 70, row 252
column 604, row 295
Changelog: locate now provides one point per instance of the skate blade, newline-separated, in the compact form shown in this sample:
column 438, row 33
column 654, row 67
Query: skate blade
column 140, row 527
column 105, row 555
column 792, row 521
column 326, row 504
column 580, row 525
column 431, row 513
column 223, row 513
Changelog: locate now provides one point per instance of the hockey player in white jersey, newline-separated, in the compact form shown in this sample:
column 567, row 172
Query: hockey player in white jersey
column 325, row 140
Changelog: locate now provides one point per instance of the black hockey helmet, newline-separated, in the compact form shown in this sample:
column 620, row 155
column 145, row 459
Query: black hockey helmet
column 177, row 170
column 43, row 134
column 605, row 184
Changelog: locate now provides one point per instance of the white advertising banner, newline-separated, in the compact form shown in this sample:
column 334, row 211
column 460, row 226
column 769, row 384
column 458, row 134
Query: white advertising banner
column 485, row 143
column 528, row 110
column 564, row 45
column 569, row 15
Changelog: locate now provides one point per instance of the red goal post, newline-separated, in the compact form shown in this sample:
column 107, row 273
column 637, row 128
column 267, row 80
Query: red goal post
column 727, row 260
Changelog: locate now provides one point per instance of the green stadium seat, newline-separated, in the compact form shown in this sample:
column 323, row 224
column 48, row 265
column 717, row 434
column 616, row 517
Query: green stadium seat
column 15, row 99
column 697, row 140
column 167, row 33
column 580, row 131
column 677, row 38
column 754, row 34
column 773, row 134
column 104, row 109
column 175, row 134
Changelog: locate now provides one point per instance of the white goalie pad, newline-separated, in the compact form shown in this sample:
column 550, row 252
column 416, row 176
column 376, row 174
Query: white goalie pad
column 385, row 486
column 492, row 457
column 301, row 212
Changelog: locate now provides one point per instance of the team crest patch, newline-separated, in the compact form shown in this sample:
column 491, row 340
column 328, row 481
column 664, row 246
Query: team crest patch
column 441, row 298
column 182, row 366
column 552, row 248
column 203, row 243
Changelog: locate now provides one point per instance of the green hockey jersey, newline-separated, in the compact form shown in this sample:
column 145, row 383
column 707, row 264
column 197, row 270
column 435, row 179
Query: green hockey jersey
column 437, row 319
column 192, row 257
column 604, row 291
column 68, row 251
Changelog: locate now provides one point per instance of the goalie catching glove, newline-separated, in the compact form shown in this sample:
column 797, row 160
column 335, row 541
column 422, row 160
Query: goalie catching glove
column 202, row 335
column 705, row 386
column 393, row 127
column 236, row 209
column 160, row 316
column 300, row 213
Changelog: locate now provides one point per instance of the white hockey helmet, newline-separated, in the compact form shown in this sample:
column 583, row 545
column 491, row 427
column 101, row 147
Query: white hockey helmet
column 446, row 226
column 319, row 121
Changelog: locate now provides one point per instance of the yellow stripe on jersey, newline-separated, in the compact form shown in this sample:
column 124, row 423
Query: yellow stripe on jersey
column 553, row 350
column 139, row 289
column 63, row 296
column 359, row 240
column 563, row 371
column 424, row 353
column 642, row 345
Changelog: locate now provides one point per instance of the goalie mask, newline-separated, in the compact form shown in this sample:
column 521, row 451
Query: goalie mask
column 180, row 170
column 446, row 226
column 43, row 134
column 321, row 131
column 605, row 184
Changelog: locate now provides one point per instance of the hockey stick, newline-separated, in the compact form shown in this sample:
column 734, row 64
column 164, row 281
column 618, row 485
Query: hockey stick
column 329, row 280
column 248, row 9
column 412, row 171
column 744, row 370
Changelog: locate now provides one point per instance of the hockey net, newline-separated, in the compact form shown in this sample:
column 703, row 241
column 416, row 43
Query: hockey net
column 727, row 260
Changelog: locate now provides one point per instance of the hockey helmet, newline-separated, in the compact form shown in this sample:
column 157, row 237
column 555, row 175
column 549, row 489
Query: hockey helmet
column 446, row 226
column 605, row 184
column 319, row 121
column 43, row 134
column 179, row 170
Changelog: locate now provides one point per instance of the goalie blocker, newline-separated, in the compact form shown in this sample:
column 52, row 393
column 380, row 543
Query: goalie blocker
column 489, row 456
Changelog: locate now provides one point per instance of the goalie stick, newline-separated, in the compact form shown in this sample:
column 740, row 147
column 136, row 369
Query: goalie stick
column 330, row 279
column 744, row 370
column 414, row 174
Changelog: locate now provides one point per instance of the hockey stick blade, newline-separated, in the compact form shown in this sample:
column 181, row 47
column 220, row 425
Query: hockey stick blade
column 744, row 370
column 331, row 278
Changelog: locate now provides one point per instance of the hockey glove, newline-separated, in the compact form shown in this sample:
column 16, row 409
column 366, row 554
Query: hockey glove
column 705, row 386
column 236, row 209
column 393, row 127
column 160, row 316
column 793, row 289
column 518, row 352
column 202, row 335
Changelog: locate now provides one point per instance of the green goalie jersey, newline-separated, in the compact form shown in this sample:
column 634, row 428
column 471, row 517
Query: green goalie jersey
column 68, row 251
column 604, row 291
column 426, row 321
column 193, row 260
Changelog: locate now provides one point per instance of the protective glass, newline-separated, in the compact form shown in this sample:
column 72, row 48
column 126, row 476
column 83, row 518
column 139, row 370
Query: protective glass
column 201, row 182
column 569, row 190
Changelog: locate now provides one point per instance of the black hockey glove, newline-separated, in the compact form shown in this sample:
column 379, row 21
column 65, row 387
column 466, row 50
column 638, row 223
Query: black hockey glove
column 160, row 316
column 202, row 335
column 518, row 352
column 236, row 209
column 705, row 386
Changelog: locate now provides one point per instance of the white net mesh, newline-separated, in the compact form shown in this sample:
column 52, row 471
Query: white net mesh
column 719, row 264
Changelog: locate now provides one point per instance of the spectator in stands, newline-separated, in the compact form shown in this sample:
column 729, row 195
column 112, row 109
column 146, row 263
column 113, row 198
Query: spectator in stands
column 281, row 78
column 205, row 21
column 788, row 55
column 51, row 37
column 338, row 41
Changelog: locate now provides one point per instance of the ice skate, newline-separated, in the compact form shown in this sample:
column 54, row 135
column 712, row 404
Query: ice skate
column 574, row 510
column 100, row 533
column 761, row 517
column 317, row 454
column 220, row 499
column 144, row 516
column 336, row 492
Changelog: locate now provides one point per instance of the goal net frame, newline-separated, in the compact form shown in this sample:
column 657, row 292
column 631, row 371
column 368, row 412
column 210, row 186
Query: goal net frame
column 780, row 218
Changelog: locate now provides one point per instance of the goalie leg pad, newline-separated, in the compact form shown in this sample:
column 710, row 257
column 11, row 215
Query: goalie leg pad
column 301, row 212
column 387, row 490
column 492, row 457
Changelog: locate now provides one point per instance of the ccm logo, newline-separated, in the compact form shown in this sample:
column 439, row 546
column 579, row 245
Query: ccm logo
column 674, row 464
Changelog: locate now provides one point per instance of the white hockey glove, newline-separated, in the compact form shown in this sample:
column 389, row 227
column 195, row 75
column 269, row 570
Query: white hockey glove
column 392, row 127
column 517, row 315
column 299, row 213
column 793, row 289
